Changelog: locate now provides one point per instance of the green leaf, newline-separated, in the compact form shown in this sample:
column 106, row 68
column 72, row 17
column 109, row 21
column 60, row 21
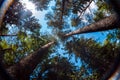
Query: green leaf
column 4, row 44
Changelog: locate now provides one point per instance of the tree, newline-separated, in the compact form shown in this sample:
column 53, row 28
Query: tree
column 90, row 28
column 13, row 17
column 64, row 10
column 103, row 24
column 28, row 39
column 41, row 5
column 24, row 43
column 56, row 68
column 25, row 66
column 60, row 68
column 108, row 23
column 10, row 17
column 3, row 9
column 94, row 53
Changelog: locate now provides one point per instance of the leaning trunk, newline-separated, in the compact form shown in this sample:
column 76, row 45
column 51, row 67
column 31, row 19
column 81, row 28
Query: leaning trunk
column 107, row 23
column 23, row 69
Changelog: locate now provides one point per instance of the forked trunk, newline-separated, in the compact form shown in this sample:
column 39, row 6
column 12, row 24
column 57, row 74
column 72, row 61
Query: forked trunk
column 23, row 69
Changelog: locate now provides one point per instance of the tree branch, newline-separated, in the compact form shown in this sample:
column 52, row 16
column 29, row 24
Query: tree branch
column 6, row 35
column 84, row 9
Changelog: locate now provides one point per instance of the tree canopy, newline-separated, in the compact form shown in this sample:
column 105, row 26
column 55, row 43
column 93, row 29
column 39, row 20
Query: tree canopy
column 28, row 54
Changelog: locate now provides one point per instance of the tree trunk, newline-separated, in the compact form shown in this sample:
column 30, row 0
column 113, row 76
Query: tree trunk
column 107, row 23
column 23, row 69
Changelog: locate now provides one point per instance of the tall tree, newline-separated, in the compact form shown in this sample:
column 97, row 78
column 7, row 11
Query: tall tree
column 23, row 69
column 25, row 42
column 94, row 53
column 107, row 23
column 28, row 36
column 103, row 24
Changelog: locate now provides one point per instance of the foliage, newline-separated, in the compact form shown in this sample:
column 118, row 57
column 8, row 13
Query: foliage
column 94, row 53
column 13, row 14
column 41, row 4
column 61, row 69
column 65, row 10
column 27, row 39
column 103, row 10
column 96, row 57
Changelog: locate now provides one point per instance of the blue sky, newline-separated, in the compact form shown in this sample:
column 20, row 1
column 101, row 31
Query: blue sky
column 99, row 36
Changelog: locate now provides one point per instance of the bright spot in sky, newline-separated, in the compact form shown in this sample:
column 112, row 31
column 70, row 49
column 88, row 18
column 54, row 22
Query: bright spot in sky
column 28, row 5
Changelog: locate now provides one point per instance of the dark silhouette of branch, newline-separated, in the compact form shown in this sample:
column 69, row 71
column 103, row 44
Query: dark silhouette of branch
column 82, row 11
column 7, row 35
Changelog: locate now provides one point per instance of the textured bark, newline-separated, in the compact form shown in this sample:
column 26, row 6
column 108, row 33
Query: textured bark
column 23, row 69
column 107, row 23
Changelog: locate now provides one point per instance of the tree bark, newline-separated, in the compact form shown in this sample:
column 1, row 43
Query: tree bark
column 107, row 23
column 23, row 69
